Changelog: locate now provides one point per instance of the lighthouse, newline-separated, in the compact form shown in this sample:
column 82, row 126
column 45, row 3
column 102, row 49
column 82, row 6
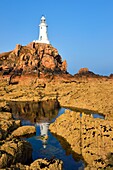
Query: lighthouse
column 43, row 35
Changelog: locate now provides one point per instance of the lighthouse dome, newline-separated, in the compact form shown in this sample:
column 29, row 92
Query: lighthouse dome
column 43, row 19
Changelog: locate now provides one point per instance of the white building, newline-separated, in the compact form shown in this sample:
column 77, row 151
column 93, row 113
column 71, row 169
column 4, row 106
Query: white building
column 43, row 36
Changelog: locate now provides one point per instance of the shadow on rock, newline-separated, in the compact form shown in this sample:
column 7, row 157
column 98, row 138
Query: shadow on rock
column 67, row 147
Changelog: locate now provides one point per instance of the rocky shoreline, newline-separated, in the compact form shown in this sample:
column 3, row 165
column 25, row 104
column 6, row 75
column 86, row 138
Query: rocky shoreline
column 87, row 93
column 16, row 153
column 94, row 135
column 36, row 73
column 92, row 138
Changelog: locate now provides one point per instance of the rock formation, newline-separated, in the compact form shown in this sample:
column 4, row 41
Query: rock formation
column 24, row 131
column 85, row 72
column 89, row 137
column 36, row 72
column 32, row 59
column 16, row 153
column 7, row 124
column 47, row 164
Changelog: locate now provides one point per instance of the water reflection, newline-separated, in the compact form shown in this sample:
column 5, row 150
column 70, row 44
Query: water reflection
column 44, row 127
column 44, row 144
column 35, row 112
column 92, row 113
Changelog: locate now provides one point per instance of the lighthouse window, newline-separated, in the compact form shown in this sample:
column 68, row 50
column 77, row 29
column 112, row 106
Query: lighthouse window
column 41, row 27
column 40, row 37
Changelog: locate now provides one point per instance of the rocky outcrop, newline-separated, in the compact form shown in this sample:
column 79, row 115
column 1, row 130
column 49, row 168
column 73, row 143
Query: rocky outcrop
column 85, row 72
column 40, row 164
column 35, row 58
column 86, row 93
column 24, row 131
column 92, row 138
column 15, row 151
column 111, row 76
column 7, row 124
column 47, row 164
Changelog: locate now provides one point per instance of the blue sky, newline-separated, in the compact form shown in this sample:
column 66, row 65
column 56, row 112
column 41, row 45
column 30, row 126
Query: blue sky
column 81, row 30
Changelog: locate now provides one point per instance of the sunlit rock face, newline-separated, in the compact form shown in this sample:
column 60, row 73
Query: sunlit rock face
column 15, row 151
column 85, row 72
column 47, row 164
column 89, row 137
column 35, row 58
column 7, row 124
column 24, row 131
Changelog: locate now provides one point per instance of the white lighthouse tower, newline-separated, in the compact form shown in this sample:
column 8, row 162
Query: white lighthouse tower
column 43, row 36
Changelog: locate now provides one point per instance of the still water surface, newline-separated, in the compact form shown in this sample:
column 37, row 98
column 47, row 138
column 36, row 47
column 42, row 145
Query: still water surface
column 40, row 115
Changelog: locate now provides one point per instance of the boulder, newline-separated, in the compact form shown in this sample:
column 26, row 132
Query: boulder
column 111, row 75
column 48, row 62
column 19, row 166
column 45, row 164
column 7, row 126
column 5, row 115
column 24, row 131
column 40, row 164
column 64, row 66
column 15, row 151
column 87, row 73
column 83, row 70
column 17, row 49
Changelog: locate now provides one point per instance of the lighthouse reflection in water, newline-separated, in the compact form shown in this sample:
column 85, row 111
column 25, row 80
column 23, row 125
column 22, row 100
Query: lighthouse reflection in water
column 43, row 133
column 44, row 143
